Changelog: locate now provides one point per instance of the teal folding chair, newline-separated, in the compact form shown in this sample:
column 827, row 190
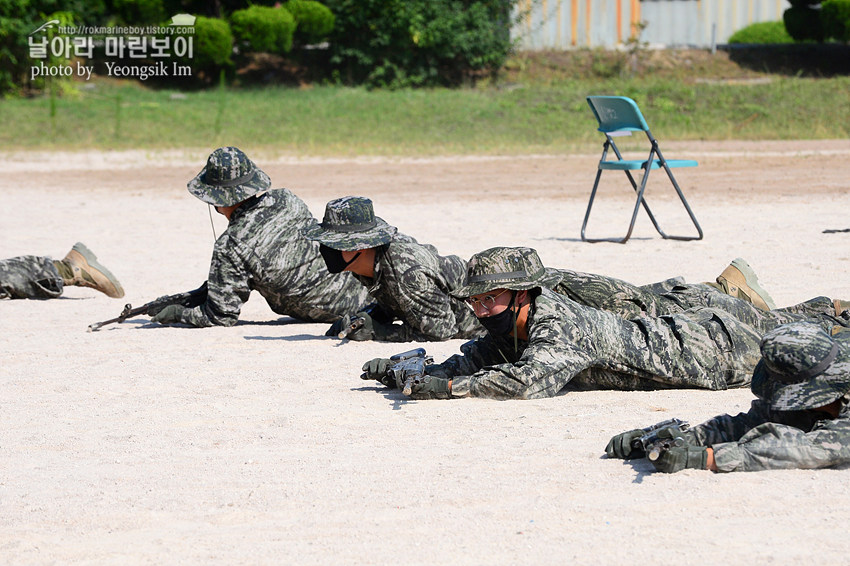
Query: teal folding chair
column 620, row 116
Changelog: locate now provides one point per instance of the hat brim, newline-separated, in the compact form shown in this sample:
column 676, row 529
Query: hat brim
column 218, row 195
column 380, row 234
column 548, row 279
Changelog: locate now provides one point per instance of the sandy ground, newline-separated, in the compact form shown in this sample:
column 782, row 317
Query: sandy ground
column 258, row 444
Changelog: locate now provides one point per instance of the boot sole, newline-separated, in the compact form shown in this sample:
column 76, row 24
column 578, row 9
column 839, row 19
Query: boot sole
column 109, row 284
column 752, row 281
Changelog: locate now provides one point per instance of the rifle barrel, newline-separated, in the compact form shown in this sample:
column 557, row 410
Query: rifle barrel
column 355, row 324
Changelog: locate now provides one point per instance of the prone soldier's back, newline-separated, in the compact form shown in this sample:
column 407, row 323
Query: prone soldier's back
column 264, row 250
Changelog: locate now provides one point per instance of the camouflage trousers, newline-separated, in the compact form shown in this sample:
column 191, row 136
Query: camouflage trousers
column 29, row 277
column 714, row 344
column 818, row 309
column 675, row 296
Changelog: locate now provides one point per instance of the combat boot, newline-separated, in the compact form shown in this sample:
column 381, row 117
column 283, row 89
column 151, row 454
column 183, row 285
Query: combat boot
column 840, row 306
column 81, row 268
column 739, row 280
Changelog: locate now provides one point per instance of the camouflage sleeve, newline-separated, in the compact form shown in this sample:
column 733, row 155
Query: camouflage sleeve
column 427, row 315
column 545, row 367
column 772, row 446
column 474, row 355
column 229, row 286
column 726, row 428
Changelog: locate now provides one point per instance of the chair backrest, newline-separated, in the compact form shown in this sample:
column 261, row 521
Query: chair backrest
column 616, row 113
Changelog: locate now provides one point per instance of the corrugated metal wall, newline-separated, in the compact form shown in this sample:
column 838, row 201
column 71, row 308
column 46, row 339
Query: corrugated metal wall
column 566, row 24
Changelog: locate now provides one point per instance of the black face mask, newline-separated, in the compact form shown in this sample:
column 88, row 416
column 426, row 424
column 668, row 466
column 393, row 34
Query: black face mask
column 333, row 259
column 500, row 324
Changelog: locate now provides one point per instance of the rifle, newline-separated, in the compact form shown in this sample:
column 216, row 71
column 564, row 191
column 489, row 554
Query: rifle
column 375, row 311
column 653, row 446
column 356, row 323
column 409, row 368
column 188, row 299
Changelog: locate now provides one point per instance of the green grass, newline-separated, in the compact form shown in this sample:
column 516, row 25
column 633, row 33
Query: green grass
column 531, row 116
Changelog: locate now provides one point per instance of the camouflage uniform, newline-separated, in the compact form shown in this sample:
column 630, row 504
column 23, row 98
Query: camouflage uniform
column 263, row 250
column 657, row 299
column 29, row 277
column 411, row 281
column 586, row 348
column 783, row 429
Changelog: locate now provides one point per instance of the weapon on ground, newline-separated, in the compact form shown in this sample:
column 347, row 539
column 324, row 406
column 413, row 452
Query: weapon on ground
column 654, row 446
column 188, row 299
column 409, row 368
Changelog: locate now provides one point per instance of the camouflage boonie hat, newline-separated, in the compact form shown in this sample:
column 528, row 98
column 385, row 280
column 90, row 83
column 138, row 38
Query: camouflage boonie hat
column 228, row 179
column 505, row 268
column 349, row 225
column 802, row 367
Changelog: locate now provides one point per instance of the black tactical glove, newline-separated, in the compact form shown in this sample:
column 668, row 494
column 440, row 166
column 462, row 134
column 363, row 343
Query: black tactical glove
column 169, row 315
column 429, row 387
column 365, row 332
column 620, row 446
column 368, row 329
column 379, row 370
column 343, row 326
column 338, row 326
column 677, row 458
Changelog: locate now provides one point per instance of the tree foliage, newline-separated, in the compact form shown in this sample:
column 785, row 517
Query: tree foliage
column 401, row 43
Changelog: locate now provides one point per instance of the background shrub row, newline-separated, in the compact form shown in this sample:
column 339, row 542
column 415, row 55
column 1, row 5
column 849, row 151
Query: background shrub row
column 375, row 42
column 380, row 43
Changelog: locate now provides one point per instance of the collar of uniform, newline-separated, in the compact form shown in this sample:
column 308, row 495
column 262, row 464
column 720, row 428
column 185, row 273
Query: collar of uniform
column 247, row 205
column 374, row 283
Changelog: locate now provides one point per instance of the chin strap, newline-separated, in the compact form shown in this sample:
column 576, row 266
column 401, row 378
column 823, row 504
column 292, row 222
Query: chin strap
column 516, row 315
column 212, row 225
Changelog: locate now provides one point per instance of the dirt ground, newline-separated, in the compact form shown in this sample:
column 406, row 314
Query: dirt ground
column 259, row 444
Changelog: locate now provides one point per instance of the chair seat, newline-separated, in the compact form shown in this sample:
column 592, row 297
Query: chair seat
column 634, row 164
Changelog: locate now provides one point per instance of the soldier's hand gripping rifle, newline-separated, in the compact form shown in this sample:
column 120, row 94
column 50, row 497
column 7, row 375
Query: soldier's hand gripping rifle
column 189, row 299
column 356, row 322
column 654, row 445
column 408, row 368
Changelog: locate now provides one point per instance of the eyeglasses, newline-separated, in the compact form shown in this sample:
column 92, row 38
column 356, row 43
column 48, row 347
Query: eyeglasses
column 487, row 301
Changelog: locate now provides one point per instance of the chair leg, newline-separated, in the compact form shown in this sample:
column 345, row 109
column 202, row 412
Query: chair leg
column 649, row 213
column 608, row 143
column 589, row 206
column 687, row 208
column 657, row 151
column 638, row 202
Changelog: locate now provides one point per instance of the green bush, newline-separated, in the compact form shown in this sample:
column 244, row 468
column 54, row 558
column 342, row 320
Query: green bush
column 314, row 21
column 400, row 43
column 835, row 16
column 803, row 23
column 16, row 21
column 762, row 33
column 18, row 18
column 213, row 45
column 261, row 29
column 139, row 12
